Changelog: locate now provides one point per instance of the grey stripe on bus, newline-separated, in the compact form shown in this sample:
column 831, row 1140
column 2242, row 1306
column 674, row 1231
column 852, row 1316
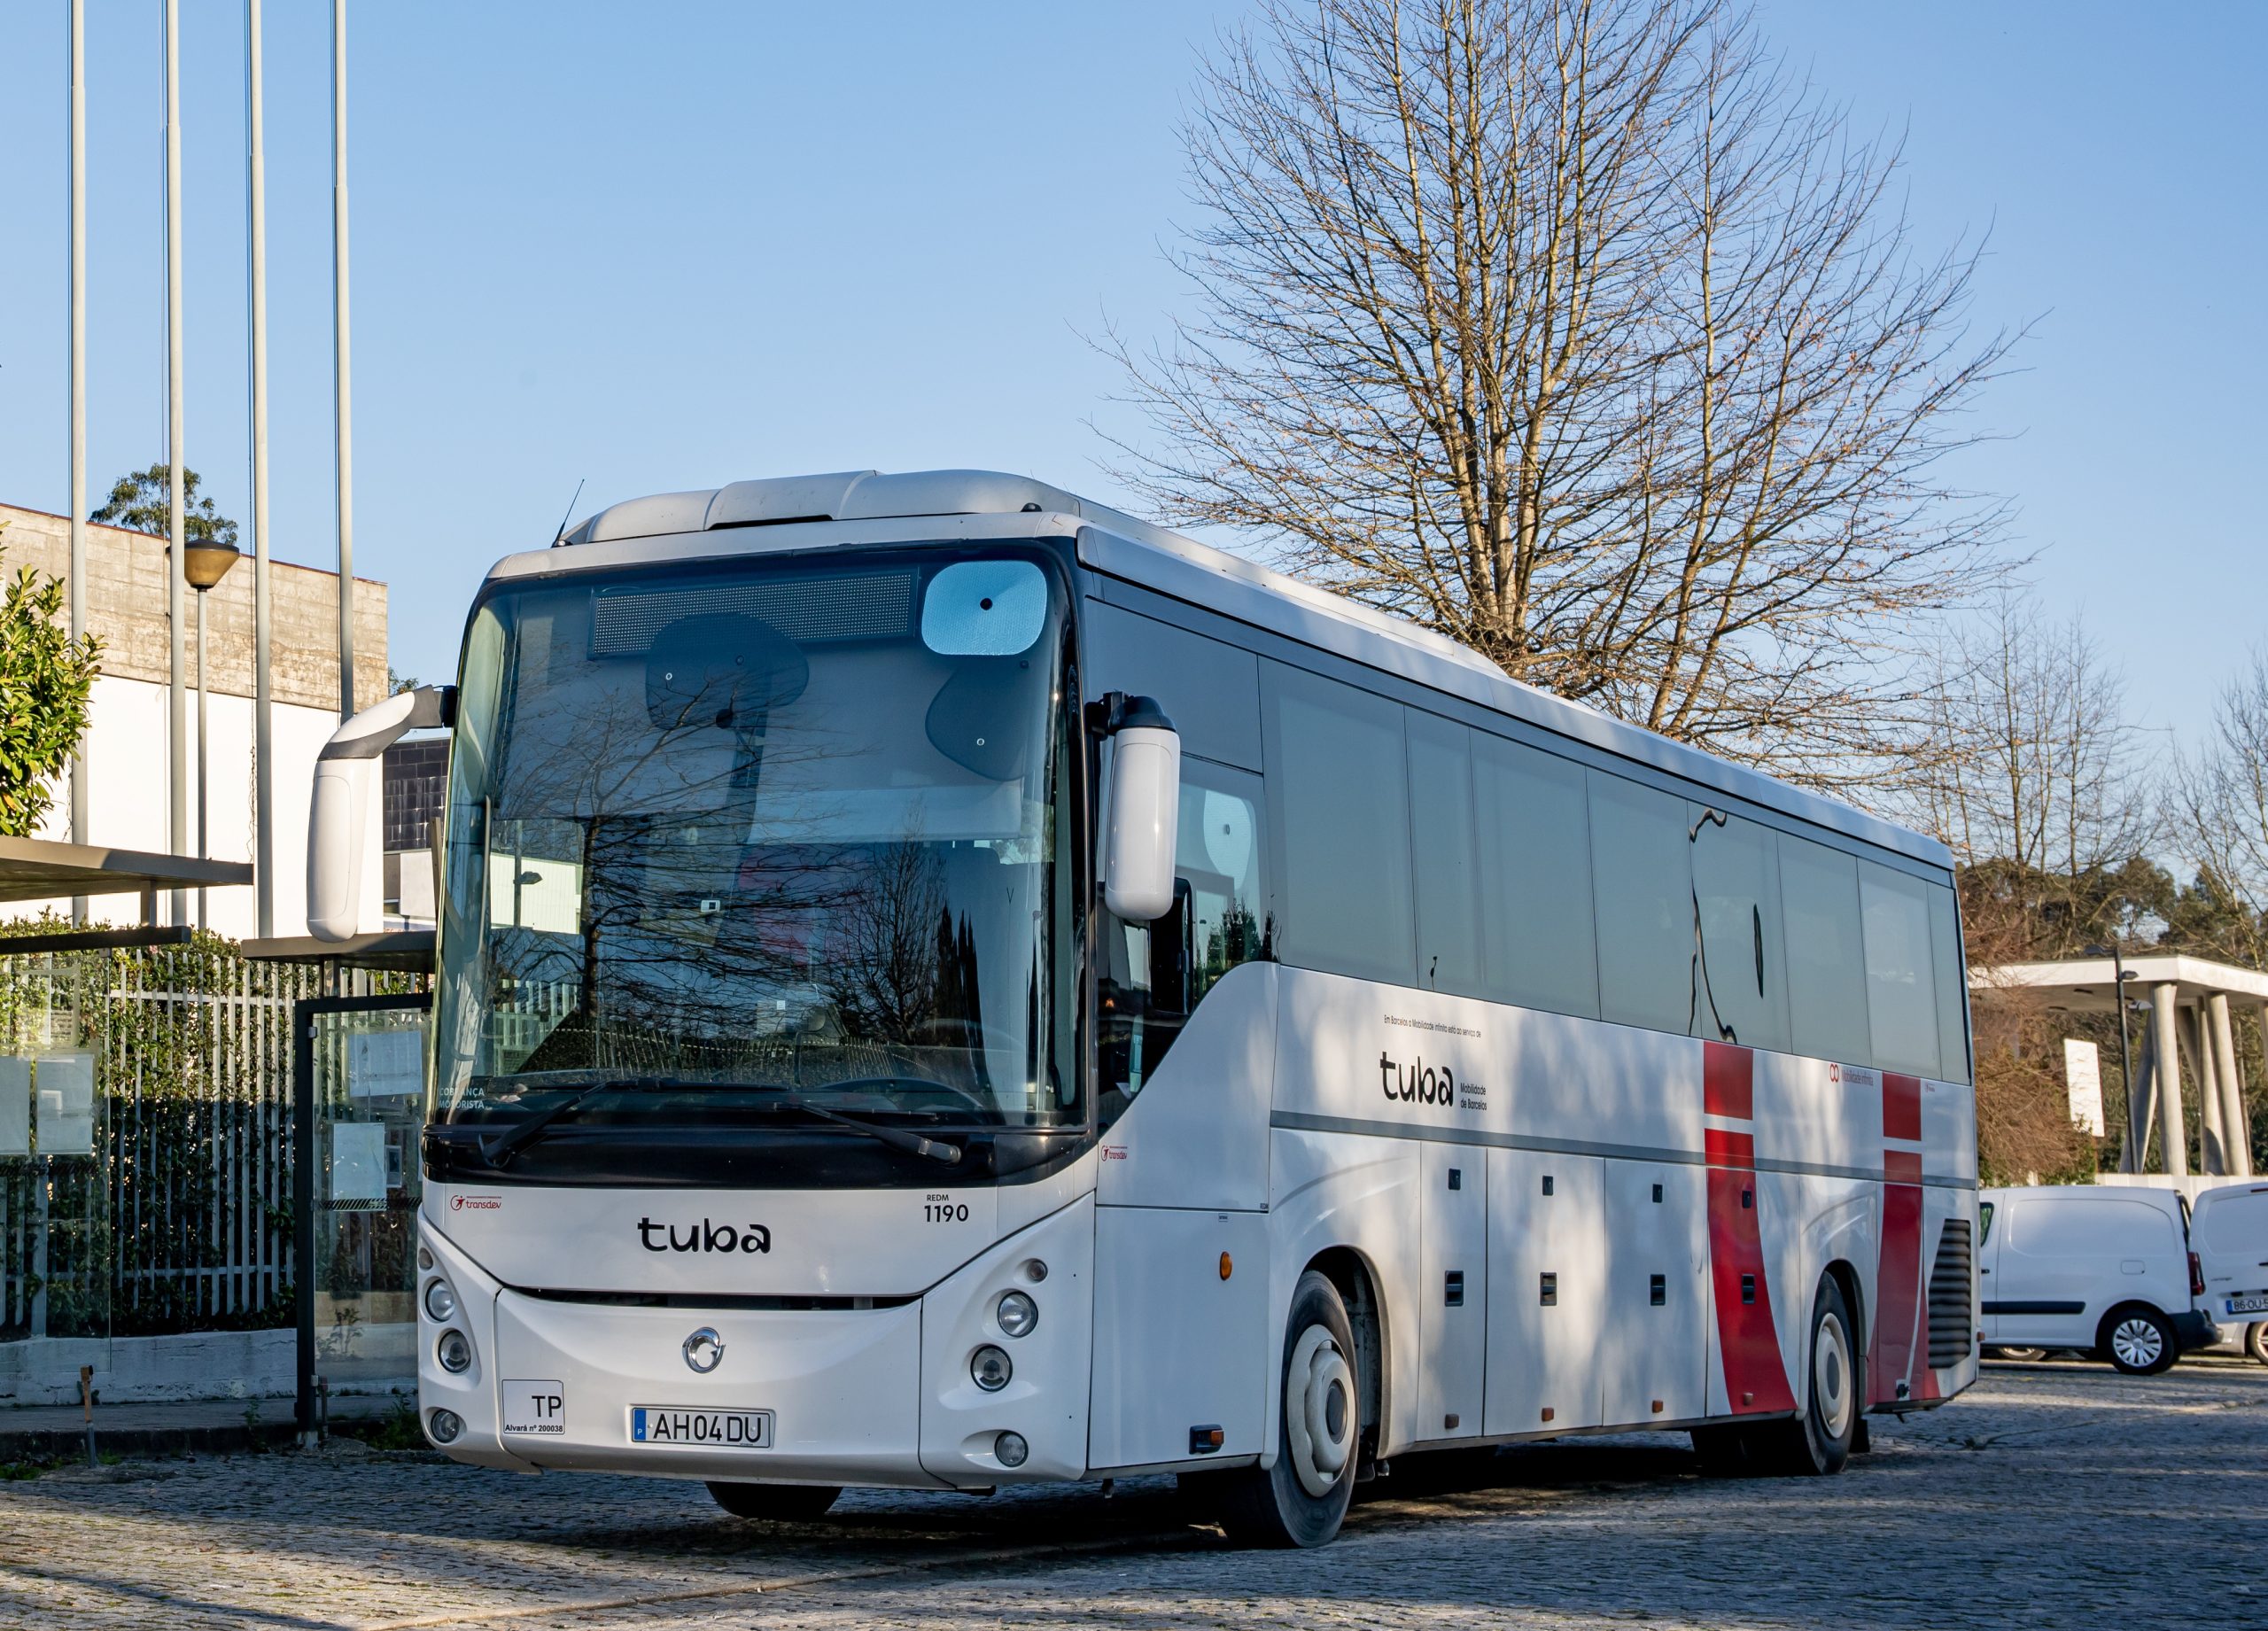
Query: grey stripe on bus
column 1300, row 1120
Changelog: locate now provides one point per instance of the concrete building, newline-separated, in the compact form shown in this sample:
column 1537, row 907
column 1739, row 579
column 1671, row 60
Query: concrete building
column 127, row 803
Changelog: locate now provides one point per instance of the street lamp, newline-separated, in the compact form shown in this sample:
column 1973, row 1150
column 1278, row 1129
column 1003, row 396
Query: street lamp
column 2120, row 974
column 204, row 563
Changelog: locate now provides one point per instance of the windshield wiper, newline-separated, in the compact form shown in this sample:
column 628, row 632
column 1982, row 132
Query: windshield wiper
column 498, row 1152
column 896, row 1137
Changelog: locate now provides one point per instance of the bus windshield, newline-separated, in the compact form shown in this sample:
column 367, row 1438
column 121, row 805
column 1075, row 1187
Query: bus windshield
column 728, row 839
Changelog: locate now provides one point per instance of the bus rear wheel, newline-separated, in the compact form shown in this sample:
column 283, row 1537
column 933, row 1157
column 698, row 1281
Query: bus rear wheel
column 1818, row 1441
column 1302, row 1499
column 786, row 1503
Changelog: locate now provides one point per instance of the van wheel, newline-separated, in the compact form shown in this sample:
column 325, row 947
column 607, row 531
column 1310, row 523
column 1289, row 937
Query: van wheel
column 1302, row 1499
column 2138, row 1340
column 1819, row 1440
column 2027, row 1355
column 786, row 1503
column 2256, row 1340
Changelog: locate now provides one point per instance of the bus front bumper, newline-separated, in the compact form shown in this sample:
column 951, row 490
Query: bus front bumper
column 883, row 1395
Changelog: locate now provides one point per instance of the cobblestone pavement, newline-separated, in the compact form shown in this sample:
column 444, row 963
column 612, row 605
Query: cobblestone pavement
column 2051, row 1495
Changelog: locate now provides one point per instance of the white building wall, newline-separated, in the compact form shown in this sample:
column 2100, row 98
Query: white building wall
column 128, row 807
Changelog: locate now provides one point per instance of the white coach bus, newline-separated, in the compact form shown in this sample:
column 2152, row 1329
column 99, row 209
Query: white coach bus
column 944, row 985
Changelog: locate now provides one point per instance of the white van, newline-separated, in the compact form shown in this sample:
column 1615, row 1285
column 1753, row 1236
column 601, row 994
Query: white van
column 2105, row 1270
column 2228, row 1229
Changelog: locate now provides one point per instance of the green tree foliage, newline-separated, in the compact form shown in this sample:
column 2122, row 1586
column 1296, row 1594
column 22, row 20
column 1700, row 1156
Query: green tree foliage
column 141, row 502
column 46, row 678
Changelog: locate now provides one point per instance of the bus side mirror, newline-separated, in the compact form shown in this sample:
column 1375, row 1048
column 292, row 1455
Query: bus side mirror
column 1138, row 858
column 346, row 779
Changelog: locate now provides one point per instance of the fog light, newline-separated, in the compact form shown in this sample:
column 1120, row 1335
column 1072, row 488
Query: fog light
column 441, row 1301
column 1017, row 1314
column 454, row 1352
column 424, row 1258
column 444, row 1426
column 1011, row 1449
column 990, row 1368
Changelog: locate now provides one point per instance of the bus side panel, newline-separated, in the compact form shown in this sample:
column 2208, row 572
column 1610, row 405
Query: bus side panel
column 1183, row 1333
column 1197, row 1133
column 1362, row 1193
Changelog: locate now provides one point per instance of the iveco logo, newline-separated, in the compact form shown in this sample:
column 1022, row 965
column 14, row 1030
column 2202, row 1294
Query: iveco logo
column 704, row 1350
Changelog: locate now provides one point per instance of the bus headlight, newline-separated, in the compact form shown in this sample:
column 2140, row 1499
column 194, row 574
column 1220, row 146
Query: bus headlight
column 988, row 1368
column 441, row 1301
column 1017, row 1314
column 454, row 1351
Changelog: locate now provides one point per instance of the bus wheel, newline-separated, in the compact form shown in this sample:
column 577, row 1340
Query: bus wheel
column 1818, row 1441
column 1302, row 1499
column 786, row 1503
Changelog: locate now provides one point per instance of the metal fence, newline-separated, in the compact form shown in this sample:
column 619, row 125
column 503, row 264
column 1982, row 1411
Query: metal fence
column 170, row 1209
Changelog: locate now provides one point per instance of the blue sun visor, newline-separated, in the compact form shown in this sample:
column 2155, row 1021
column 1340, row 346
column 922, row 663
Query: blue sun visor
column 985, row 609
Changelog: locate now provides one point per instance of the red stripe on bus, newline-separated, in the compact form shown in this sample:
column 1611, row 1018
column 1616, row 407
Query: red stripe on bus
column 1902, row 1107
column 1902, row 1166
column 1747, row 1342
column 1898, row 1288
column 1727, row 1081
column 1728, row 1149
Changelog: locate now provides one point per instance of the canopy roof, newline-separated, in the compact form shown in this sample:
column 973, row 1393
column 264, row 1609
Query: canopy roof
column 43, row 869
column 2085, row 984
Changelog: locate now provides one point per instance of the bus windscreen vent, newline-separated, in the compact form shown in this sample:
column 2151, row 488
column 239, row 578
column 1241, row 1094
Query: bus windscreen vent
column 1951, row 1297
column 857, row 606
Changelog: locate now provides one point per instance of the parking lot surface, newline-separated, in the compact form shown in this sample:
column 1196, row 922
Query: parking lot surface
column 2053, row 1495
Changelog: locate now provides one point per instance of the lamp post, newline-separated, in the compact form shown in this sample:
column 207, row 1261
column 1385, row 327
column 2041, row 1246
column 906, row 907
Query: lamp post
column 2117, row 952
column 203, row 565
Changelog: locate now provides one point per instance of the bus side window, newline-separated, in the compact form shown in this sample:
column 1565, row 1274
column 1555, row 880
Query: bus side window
column 1154, row 974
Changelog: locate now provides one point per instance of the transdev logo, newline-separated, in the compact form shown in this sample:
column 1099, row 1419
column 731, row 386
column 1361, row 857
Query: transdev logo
column 476, row 1203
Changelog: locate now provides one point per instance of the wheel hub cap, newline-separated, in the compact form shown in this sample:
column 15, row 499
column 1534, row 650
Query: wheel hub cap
column 1830, row 1374
column 2137, row 1342
column 1318, row 1417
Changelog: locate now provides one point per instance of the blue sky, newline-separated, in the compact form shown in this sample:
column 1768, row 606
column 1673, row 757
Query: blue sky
column 766, row 239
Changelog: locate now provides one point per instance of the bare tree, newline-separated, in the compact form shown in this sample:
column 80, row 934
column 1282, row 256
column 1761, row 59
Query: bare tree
column 2218, row 811
column 2034, row 756
column 1576, row 330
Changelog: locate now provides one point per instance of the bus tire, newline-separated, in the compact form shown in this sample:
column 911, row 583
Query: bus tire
column 1818, row 1441
column 784, row 1503
column 2137, row 1340
column 1302, row 1499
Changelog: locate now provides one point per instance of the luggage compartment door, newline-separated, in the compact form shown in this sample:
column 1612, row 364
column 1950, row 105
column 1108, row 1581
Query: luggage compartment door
column 1654, row 1364
column 1547, row 1290
column 1453, row 1293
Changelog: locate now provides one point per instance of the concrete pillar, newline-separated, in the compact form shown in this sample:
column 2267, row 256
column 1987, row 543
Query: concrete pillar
column 2175, row 1136
column 2212, row 1140
column 2236, row 1130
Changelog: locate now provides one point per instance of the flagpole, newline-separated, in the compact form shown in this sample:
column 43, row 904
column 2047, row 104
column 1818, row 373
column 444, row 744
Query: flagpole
column 78, row 571
column 176, row 579
column 342, row 382
column 263, row 701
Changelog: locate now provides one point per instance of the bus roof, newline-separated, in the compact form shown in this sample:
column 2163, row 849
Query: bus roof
column 1155, row 558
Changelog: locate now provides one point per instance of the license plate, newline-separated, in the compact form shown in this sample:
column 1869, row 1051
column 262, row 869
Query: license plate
column 2253, row 1302
column 673, row 1424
